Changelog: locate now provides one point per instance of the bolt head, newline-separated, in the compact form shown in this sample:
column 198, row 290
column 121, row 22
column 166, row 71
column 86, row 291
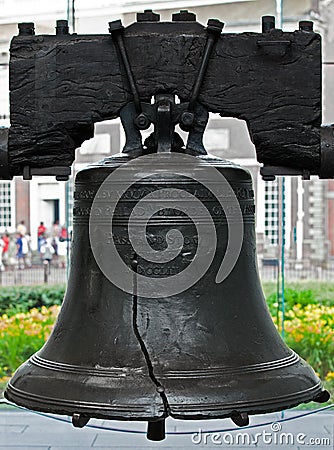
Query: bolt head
column 62, row 23
column 184, row 16
column 142, row 121
column 306, row 25
column 134, row 264
column 148, row 16
column 187, row 118
column 215, row 26
column 116, row 25
column 268, row 23
column 62, row 27
column 26, row 29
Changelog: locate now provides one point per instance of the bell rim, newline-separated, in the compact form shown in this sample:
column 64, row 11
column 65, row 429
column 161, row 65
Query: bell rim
column 181, row 412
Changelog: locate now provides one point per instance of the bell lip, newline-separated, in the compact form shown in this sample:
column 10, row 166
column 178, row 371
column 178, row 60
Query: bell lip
column 262, row 406
column 181, row 411
column 69, row 407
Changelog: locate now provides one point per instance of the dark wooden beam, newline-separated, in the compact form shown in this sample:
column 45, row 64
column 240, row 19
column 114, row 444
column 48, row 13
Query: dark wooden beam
column 61, row 85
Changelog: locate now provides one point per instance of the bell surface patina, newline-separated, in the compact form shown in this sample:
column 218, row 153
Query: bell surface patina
column 211, row 351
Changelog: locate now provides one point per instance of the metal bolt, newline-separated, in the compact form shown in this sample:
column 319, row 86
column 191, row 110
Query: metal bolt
column 148, row 16
column 142, row 121
column 306, row 25
column 268, row 23
column 134, row 264
column 187, row 118
column 116, row 25
column 26, row 29
column 184, row 16
column 62, row 27
column 215, row 26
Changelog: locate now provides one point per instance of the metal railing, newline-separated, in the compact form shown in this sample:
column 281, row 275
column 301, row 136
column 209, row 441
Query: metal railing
column 42, row 274
column 269, row 273
column 52, row 274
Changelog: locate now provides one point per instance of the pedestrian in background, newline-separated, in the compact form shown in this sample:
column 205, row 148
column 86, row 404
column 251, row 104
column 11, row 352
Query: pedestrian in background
column 47, row 251
column 41, row 230
column 21, row 228
column 2, row 246
column 55, row 235
column 19, row 251
column 26, row 249
column 62, row 247
column 5, row 252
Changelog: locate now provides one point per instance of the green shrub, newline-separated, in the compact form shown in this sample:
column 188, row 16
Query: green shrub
column 16, row 299
column 299, row 293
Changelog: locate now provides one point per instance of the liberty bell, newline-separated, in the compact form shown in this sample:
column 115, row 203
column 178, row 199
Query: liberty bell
column 164, row 314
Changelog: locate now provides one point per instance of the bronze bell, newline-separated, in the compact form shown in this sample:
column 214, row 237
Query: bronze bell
column 190, row 348
column 211, row 351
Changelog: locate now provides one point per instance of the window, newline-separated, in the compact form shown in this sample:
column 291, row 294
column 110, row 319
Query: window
column 271, row 212
column 7, row 219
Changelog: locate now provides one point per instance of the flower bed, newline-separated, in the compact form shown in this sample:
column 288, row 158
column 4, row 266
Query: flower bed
column 23, row 334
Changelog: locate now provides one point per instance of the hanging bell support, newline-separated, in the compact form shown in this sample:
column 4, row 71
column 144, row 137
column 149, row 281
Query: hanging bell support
column 165, row 114
column 116, row 30
column 214, row 29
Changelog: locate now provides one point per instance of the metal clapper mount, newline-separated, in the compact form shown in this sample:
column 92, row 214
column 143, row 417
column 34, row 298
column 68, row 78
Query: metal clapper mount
column 164, row 113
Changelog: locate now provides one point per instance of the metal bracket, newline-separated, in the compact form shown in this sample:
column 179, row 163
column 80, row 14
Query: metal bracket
column 191, row 116
column 62, row 173
column 269, row 173
column 164, row 125
column 274, row 48
column 133, row 139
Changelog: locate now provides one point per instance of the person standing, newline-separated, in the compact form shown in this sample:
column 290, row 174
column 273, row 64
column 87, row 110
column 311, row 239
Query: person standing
column 2, row 246
column 19, row 253
column 47, row 252
column 55, row 236
column 62, row 247
column 6, row 240
column 41, row 230
column 26, row 249
column 21, row 228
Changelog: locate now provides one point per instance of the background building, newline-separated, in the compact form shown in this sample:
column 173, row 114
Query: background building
column 309, row 205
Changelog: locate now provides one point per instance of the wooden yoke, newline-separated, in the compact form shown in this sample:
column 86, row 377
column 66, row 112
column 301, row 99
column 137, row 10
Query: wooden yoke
column 60, row 85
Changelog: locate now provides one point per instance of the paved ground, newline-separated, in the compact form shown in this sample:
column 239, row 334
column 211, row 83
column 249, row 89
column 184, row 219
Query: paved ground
column 25, row 430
